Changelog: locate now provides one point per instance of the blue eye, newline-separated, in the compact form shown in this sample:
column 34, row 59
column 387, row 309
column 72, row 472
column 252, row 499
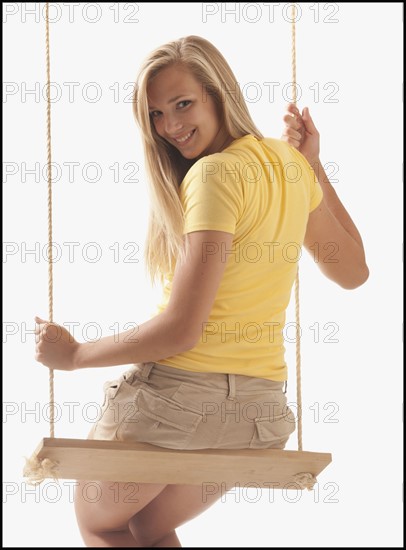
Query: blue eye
column 185, row 101
column 181, row 105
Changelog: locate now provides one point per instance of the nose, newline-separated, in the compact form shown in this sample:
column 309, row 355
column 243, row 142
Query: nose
column 172, row 124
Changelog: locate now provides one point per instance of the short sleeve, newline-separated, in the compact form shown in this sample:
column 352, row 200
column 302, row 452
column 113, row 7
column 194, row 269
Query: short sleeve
column 211, row 195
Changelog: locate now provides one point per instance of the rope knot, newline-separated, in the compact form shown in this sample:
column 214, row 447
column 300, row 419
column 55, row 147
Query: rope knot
column 305, row 480
column 37, row 470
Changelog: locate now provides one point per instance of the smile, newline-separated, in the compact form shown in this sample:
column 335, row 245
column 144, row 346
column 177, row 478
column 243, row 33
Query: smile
column 185, row 138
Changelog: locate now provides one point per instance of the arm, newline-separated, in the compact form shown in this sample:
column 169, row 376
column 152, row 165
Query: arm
column 178, row 328
column 161, row 336
column 335, row 206
column 329, row 222
column 175, row 330
column 340, row 258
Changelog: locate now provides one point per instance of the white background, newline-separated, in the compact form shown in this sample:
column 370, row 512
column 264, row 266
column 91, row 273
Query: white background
column 351, row 53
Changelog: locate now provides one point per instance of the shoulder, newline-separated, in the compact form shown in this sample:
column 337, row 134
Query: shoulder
column 237, row 151
column 211, row 167
column 241, row 151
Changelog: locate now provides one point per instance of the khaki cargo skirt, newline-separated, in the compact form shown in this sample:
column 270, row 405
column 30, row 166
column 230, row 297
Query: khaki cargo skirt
column 180, row 409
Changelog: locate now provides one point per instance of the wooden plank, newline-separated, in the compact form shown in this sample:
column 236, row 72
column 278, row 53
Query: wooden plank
column 96, row 460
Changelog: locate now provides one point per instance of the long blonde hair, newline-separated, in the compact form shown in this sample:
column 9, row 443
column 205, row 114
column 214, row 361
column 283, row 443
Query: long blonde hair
column 165, row 166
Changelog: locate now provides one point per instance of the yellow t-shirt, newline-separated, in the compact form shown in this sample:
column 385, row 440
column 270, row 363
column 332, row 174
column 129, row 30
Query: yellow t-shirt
column 261, row 191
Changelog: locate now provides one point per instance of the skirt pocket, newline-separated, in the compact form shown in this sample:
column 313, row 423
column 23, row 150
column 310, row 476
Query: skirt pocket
column 272, row 432
column 109, row 419
column 158, row 420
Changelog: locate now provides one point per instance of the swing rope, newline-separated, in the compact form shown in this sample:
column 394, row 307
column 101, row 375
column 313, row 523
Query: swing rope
column 305, row 479
column 50, row 262
column 298, row 335
column 37, row 470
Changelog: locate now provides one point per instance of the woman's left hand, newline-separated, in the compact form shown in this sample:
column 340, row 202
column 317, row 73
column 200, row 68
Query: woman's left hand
column 55, row 346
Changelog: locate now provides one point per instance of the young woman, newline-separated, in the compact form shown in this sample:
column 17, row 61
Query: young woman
column 230, row 212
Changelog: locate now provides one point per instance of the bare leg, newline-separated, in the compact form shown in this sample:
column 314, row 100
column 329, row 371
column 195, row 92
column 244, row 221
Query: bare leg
column 103, row 510
column 109, row 539
column 129, row 515
column 154, row 526
column 169, row 541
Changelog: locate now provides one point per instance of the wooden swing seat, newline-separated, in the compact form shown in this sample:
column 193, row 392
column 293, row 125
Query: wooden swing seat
column 99, row 460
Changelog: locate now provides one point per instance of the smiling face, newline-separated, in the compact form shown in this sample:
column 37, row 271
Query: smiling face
column 184, row 114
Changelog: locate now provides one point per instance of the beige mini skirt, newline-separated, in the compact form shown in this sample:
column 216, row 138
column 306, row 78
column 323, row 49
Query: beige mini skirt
column 178, row 409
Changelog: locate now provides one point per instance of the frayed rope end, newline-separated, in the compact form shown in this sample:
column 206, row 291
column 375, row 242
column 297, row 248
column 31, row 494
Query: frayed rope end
column 36, row 470
column 305, row 480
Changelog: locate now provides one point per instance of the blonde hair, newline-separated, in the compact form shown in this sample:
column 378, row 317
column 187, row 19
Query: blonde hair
column 165, row 166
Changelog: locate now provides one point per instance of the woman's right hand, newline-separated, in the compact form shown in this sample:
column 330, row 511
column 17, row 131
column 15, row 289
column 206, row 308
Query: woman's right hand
column 300, row 132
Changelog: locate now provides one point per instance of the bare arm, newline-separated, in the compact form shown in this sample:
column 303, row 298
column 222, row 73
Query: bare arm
column 338, row 255
column 334, row 204
column 329, row 225
column 161, row 336
column 175, row 330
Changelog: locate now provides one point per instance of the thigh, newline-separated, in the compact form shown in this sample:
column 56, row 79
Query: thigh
column 173, row 507
column 108, row 505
